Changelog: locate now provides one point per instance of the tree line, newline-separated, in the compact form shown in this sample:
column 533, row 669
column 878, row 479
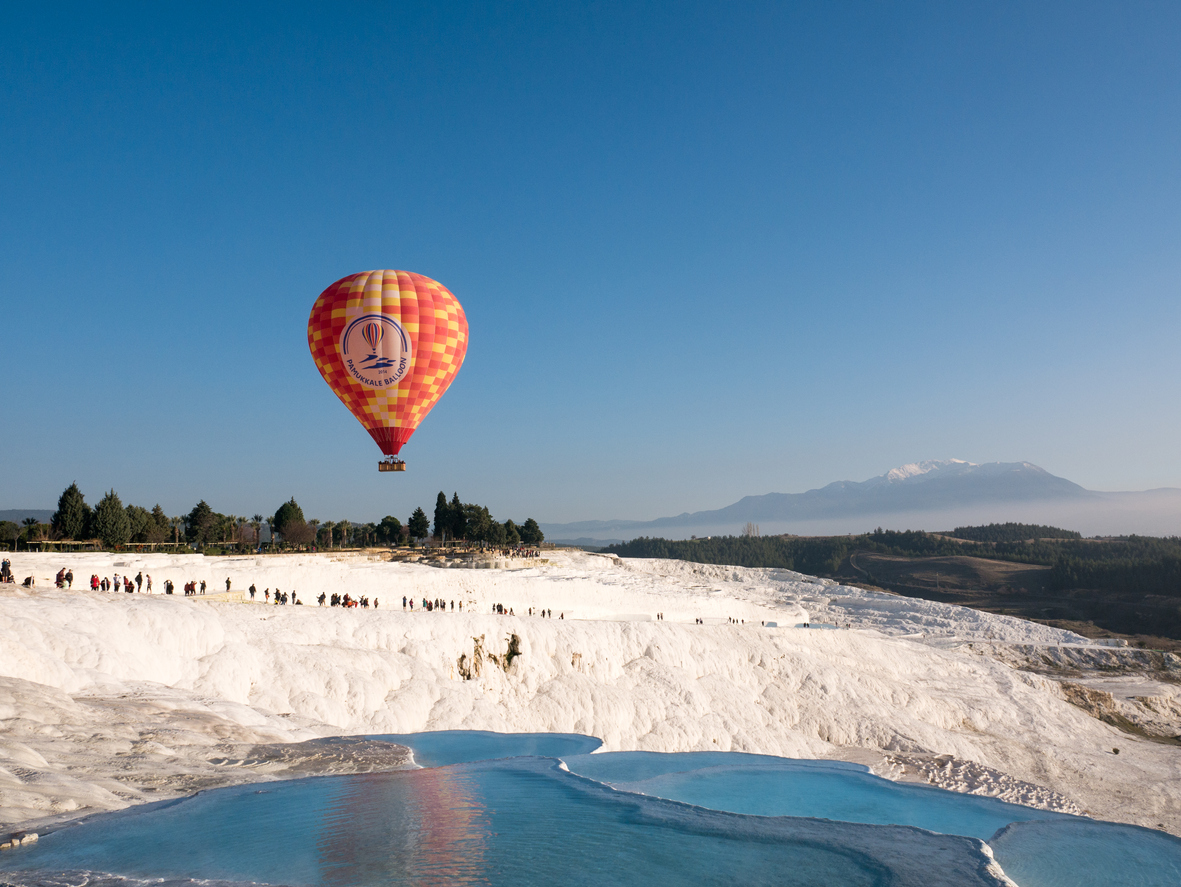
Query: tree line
column 74, row 519
column 453, row 521
column 114, row 525
column 804, row 555
column 1013, row 532
column 1144, row 564
column 457, row 520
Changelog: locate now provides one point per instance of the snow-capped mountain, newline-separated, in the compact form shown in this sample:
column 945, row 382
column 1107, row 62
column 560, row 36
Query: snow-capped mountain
column 935, row 482
column 929, row 487
column 914, row 469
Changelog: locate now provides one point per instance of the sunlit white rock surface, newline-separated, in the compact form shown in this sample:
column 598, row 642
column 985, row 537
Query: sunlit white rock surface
column 113, row 699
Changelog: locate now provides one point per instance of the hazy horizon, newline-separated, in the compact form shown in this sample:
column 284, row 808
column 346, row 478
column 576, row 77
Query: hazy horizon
column 1113, row 515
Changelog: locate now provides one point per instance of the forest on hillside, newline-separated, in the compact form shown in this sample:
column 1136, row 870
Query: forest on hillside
column 1144, row 564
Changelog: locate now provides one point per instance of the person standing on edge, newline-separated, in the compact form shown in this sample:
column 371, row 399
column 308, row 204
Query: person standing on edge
column 227, row 583
column 139, row 581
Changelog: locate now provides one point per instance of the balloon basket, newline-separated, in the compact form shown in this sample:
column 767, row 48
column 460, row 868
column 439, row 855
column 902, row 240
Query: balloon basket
column 391, row 464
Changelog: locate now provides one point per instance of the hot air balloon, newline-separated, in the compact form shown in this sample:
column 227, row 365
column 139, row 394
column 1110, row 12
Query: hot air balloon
column 389, row 344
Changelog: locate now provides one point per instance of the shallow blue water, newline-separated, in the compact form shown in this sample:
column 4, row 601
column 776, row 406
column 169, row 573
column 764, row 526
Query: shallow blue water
column 767, row 786
column 478, row 815
column 517, row 823
column 1084, row 853
column 438, row 749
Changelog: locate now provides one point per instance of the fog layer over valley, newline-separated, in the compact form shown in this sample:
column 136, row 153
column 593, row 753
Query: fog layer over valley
column 114, row 699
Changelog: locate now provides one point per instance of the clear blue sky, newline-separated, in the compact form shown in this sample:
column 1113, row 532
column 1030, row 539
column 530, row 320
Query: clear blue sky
column 705, row 250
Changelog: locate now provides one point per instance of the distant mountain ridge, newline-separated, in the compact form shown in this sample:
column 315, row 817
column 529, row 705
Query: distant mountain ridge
column 933, row 486
column 17, row 515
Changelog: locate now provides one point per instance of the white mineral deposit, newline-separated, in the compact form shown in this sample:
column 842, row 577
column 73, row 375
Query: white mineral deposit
column 112, row 699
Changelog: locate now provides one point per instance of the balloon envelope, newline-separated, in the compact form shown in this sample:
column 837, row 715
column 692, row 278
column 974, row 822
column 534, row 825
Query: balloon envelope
column 388, row 343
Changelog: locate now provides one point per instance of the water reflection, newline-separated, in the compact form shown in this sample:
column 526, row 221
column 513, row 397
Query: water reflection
column 424, row 828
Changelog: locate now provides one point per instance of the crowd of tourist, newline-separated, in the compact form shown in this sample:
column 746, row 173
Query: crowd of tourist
column 518, row 552
column 347, row 601
column 429, row 606
column 142, row 583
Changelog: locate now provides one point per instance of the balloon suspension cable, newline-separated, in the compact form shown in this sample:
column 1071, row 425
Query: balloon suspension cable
column 391, row 463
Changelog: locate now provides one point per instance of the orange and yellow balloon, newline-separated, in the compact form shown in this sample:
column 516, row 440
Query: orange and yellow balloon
column 388, row 343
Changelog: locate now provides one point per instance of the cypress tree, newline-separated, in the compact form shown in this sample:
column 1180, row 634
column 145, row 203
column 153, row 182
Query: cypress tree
column 458, row 518
column 442, row 515
column 70, row 518
column 111, row 523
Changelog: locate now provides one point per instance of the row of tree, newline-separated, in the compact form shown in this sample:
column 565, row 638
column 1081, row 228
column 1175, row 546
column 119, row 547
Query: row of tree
column 454, row 521
column 289, row 528
column 474, row 523
column 114, row 524
column 108, row 520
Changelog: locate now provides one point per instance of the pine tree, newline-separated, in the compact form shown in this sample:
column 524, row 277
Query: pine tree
column 531, row 533
column 390, row 530
column 496, row 533
column 289, row 512
column 139, row 520
column 69, row 520
column 512, row 535
column 161, row 526
column 10, row 531
column 110, row 521
column 478, row 522
column 418, row 526
column 201, row 523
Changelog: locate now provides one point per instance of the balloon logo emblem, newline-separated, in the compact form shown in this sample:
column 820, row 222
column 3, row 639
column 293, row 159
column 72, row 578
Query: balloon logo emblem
column 373, row 334
column 389, row 344
column 383, row 365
